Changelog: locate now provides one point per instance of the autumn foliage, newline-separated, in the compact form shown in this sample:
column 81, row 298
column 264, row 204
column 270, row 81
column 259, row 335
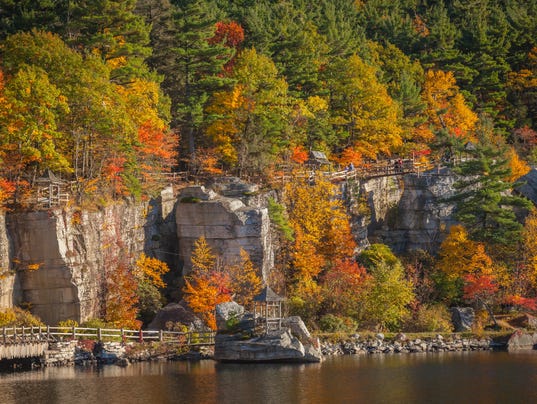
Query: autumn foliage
column 211, row 283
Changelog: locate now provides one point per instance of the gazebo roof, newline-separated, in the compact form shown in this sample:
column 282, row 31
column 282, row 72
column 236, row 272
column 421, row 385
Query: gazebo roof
column 268, row 295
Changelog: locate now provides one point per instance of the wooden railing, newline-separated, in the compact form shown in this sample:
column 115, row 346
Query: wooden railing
column 21, row 335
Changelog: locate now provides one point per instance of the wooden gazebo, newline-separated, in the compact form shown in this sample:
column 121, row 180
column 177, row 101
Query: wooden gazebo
column 268, row 309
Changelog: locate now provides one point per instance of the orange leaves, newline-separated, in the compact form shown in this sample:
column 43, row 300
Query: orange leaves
column 299, row 155
column 350, row 155
column 230, row 34
column 528, row 303
column 7, row 188
column 152, row 269
column 121, row 298
column 518, row 166
column 459, row 255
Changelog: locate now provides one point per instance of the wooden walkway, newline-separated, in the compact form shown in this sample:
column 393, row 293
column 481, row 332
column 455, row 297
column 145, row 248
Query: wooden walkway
column 24, row 342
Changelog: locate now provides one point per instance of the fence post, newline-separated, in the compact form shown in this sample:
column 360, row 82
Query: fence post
column 73, row 332
column 5, row 336
column 161, row 335
column 122, row 335
column 141, row 336
column 48, row 332
column 99, row 334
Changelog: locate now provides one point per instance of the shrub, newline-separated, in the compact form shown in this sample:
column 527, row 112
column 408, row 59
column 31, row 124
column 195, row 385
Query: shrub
column 435, row 318
column 95, row 323
column 67, row 325
column 332, row 323
column 17, row 317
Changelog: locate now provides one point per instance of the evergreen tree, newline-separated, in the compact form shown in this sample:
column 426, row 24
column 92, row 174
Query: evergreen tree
column 198, row 68
column 484, row 204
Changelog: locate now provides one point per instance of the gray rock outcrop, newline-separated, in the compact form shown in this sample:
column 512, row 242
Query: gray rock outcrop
column 521, row 340
column 291, row 343
column 405, row 212
column 9, row 287
column 462, row 318
column 74, row 250
column 227, row 224
column 226, row 312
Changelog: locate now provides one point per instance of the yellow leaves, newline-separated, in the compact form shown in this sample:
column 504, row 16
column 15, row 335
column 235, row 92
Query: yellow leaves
column 203, row 259
column 151, row 269
column 446, row 106
column 34, row 266
column 244, row 281
column 518, row 166
column 530, row 245
column 459, row 255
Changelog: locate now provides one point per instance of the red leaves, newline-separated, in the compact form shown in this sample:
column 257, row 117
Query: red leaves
column 230, row 34
column 529, row 303
column 479, row 286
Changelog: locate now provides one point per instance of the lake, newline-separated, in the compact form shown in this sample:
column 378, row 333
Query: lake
column 473, row 377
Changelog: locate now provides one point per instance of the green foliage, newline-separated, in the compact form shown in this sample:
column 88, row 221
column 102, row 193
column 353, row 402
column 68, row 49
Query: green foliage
column 190, row 199
column 333, row 323
column 278, row 217
column 96, row 323
column 149, row 301
column 484, row 205
column 389, row 294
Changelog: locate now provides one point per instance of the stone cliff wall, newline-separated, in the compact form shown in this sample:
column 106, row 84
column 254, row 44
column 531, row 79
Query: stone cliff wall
column 9, row 290
column 227, row 224
column 406, row 213
column 74, row 251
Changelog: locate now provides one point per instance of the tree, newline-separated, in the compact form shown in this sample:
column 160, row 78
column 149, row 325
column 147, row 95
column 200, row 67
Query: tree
column 250, row 128
column 483, row 204
column 389, row 294
column 322, row 238
column 446, row 107
column 198, row 68
column 344, row 287
column 366, row 115
column 121, row 298
column 245, row 284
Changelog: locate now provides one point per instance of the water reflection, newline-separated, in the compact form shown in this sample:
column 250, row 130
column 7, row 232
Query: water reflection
column 420, row 378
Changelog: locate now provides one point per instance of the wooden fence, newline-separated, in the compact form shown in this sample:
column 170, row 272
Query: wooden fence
column 22, row 335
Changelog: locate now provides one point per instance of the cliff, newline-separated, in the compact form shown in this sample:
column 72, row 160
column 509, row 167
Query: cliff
column 56, row 261
column 405, row 212
column 227, row 223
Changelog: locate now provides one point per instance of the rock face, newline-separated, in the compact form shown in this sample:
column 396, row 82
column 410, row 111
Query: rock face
column 406, row 213
column 462, row 318
column 291, row 343
column 9, row 286
column 227, row 224
column 74, row 250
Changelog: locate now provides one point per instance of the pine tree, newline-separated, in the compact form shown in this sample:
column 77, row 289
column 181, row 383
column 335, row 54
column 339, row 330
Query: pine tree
column 198, row 68
column 483, row 201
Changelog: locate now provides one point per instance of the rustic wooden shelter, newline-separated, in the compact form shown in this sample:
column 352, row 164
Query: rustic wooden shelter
column 51, row 190
column 268, row 309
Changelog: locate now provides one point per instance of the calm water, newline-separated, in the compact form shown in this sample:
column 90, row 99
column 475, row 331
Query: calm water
column 420, row 378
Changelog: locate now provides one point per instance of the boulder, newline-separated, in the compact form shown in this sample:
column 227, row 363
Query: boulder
column 297, row 328
column 233, row 187
column 520, row 340
column 462, row 318
column 177, row 313
column 278, row 346
column 228, row 315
